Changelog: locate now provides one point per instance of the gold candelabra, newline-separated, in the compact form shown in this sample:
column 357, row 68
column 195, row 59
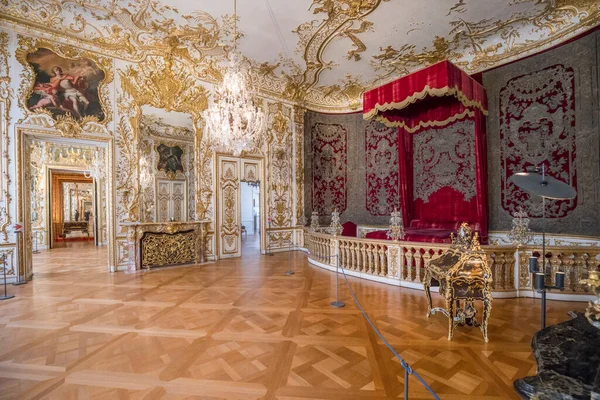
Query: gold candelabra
column 396, row 230
column 314, row 221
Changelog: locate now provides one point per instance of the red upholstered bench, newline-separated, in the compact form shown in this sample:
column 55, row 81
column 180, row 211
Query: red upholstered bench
column 416, row 235
column 349, row 229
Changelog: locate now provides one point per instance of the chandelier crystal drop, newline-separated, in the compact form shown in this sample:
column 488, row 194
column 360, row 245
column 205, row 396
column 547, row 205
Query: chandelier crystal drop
column 233, row 122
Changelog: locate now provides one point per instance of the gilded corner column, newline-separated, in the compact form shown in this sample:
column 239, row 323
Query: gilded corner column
column 298, row 115
column 198, row 165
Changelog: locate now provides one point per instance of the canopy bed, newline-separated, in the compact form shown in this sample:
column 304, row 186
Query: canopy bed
column 440, row 114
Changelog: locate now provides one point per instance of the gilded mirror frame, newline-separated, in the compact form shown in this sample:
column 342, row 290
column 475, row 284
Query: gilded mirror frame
column 167, row 83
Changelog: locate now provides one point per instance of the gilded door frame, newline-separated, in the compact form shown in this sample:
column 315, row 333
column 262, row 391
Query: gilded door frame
column 25, row 245
column 251, row 159
column 50, row 171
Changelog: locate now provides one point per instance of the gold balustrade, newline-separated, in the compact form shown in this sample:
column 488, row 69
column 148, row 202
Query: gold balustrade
column 405, row 262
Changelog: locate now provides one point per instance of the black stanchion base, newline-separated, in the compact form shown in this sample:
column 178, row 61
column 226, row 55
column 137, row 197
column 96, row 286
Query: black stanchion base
column 270, row 254
column 290, row 273
column 36, row 252
column 7, row 297
column 19, row 283
column 337, row 304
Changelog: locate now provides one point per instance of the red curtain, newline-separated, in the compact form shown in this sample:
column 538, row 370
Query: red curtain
column 435, row 97
column 440, row 80
column 446, row 208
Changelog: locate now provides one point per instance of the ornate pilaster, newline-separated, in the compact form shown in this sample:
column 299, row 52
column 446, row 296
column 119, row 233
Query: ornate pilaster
column 299, row 114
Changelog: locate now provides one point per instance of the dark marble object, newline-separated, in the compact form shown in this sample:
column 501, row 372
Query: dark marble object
column 568, row 359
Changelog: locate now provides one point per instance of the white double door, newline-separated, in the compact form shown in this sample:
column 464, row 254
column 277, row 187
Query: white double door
column 231, row 171
column 171, row 196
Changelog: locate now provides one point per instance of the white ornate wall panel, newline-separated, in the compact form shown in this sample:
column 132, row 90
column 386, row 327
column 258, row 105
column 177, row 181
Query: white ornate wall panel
column 230, row 244
column 280, row 239
column 280, row 172
column 250, row 170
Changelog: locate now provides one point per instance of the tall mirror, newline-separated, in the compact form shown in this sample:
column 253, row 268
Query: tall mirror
column 78, row 201
column 167, row 178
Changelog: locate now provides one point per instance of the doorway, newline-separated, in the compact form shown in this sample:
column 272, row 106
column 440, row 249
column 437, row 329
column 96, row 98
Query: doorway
column 65, row 205
column 72, row 208
column 232, row 173
column 250, row 210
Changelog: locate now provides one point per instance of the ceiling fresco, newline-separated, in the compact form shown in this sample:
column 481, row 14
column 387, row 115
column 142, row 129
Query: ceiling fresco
column 318, row 53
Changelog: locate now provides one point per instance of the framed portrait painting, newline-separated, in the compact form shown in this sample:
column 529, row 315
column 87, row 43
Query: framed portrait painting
column 169, row 159
column 65, row 86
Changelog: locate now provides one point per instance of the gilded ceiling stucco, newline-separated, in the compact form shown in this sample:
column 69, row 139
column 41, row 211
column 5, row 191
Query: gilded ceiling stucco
column 341, row 47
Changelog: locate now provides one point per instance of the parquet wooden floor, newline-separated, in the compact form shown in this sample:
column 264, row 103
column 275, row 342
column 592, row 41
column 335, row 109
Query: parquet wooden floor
column 243, row 329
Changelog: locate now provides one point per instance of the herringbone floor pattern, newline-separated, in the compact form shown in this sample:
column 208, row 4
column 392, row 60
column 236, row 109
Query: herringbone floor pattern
column 242, row 329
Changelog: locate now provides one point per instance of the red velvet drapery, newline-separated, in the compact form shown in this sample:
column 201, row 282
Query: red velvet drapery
column 437, row 101
column 432, row 96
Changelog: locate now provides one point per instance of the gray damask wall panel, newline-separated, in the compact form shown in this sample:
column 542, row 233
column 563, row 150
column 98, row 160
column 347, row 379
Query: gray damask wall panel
column 445, row 157
column 542, row 125
column 356, row 209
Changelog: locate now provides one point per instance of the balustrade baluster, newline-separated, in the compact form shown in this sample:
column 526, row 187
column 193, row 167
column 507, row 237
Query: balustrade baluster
column 347, row 260
column 418, row 265
column 374, row 257
column 426, row 260
column 581, row 268
column 498, row 269
column 509, row 270
column 568, row 262
column 383, row 261
column 362, row 261
column 409, row 263
column 556, row 263
column 402, row 255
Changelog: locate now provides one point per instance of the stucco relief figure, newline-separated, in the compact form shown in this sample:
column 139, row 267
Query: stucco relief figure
column 169, row 158
column 65, row 86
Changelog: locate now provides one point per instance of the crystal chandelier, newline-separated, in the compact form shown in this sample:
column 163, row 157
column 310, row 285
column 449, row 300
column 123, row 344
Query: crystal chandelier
column 96, row 170
column 233, row 122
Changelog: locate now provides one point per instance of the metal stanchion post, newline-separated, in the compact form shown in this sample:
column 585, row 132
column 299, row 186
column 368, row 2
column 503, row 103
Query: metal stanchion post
column 6, row 296
column 20, row 280
column 289, row 271
column 35, row 237
column 337, row 303
column 405, row 383
column 269, row 252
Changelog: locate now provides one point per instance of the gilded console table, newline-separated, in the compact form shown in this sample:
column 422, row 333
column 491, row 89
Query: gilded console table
column 159, row 244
